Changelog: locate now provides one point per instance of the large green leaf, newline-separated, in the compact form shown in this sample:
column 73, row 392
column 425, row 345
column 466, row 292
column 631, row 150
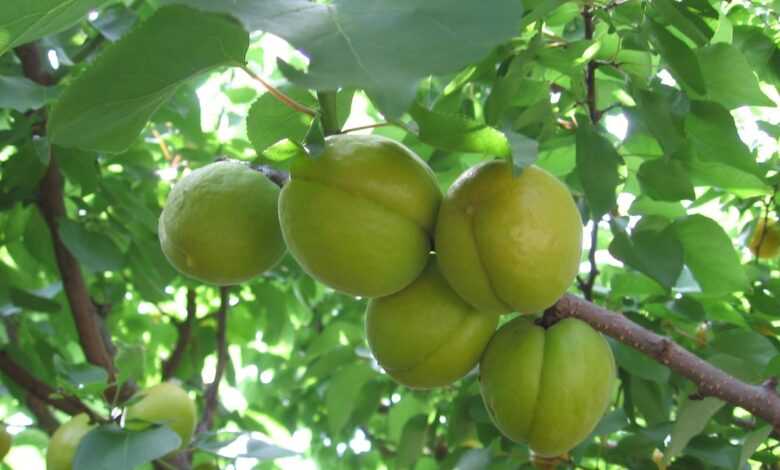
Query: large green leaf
column 692, row 417
column 23, row 94
column 23, row 21
column 94, row 250
column 680, row 58
column 343, row 391
column 729, row 77
column 714, row 138
column 597, row 167
column 270, row 121
column 665, row 180
column 710, row 256
column 656, row 253
column 144, row 69
column 384, row 46
column 110, row 448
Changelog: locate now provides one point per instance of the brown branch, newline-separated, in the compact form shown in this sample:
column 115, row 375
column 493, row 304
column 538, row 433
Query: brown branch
column 590, row 71
column 278, row 177
column 586, row 285
column 41, row 390
column 51, row 203
column 761, row 400
column 185, row 333
column 212, row 391
column 44, row 419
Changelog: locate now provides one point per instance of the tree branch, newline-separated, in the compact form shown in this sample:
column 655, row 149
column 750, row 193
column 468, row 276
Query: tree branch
column 590, row 71
column 761, row 400
column 41, row 390
column 212, row 391
column 44, row 419
column 51, row 203
column 185, row 333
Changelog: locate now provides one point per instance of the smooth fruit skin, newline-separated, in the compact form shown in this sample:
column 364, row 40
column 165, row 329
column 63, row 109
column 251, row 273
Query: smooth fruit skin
column 509, row 243
column 769, row 246
column 425, row 336
column 547, row 388
column 5, row 442
column 360, row 217
column 220, row 224
column 165, row 403
column 65, row 441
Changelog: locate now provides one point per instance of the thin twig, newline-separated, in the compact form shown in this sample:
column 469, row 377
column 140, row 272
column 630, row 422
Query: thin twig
column 279, row 95
column 367, row 126
column 163, row 146
column 212, row 390
column 185, row 332
column 587, row 285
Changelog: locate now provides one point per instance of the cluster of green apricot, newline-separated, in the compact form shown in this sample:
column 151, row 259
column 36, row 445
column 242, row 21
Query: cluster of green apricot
column 367, row 218
column 164, row 403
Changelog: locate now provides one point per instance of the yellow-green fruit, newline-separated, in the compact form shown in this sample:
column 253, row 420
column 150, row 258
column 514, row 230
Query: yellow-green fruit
column 765, row 241
column 165, row 403
column 509, row 243
column 426, row 336
column 65, row 441
column 220, row 224
column 360, row 217
column 5, row 443
column 547, row 388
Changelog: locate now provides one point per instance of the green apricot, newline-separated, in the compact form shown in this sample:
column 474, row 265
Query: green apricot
column 360, row 217
column 425, row 336
column 164, row 403
column 220, row 224
column 547, row 388
column 65, row 441
column 509, row 243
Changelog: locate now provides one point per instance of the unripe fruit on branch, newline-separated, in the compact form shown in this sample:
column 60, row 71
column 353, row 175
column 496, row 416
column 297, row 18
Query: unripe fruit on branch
column 164, row 403
column 65, row 441
column 220, row 224
column 360, row 217
column 509, row 243
column 547, row 388
column 426, row 336
column 765, row 240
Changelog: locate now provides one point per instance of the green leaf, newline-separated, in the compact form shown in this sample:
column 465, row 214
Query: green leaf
column 94, row 250
column 729, row 77
column 754, row 348
column 680, row 58
column 342, row 394
column 702, row 238
column 23, row 21
column 713, row 136
column 660, row 112
column 28, row 300
column 343, row 40
column 412, row 441
column 656, row 253
column 674, row 13
column 22, row 94
column 175, row 44
column 270, row 120
column 665, row 180
column 753, row 439
column 639, row 364
column 597, row 167
column 457, row 133
column 692, row 417
column 111, row 448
